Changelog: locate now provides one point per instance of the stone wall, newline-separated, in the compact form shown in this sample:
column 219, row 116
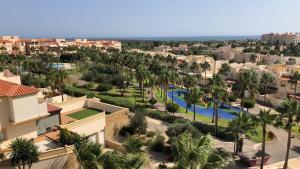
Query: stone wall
column 114, row 122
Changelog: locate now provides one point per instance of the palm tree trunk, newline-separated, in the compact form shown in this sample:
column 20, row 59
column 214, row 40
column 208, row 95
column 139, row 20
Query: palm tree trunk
column 216, row 120
column 172, row 95
column 205, row 78
column 143, row 92
column 263, row 149
column 295, row 90
column 214, row 112
column 194, row 111
column 265, row 93
column 285, row 166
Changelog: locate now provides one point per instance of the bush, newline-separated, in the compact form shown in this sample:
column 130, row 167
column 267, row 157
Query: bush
column 104, row 87
column 133, row 144
column 179, row 128
column 232, row 98
column 150, row 134
column 152, row 102
column 158, row 143
column 248, row 103
column 125, row 131
column 172, row 107
column 138, row 123
column 223, row 132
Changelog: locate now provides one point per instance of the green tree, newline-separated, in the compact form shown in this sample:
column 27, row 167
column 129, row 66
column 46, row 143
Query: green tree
column 265, row 80
column 294, row 81
column 141, row 75
column 225, row 69
column 198, row 153
column 88, row 155
column 289, row 110
column 238, row 126
column 194, row 96
column 205, row 67
column 264, row 119
column 172, row 107
column 24, row 152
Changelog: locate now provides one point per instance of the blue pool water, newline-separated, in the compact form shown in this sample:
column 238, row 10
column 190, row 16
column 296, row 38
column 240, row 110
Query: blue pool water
column 203, row 111
column 58, row 66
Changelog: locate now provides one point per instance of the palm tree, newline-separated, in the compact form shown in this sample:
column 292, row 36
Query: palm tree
column 264, row 119
column 88, row 155
column 194, row 67
column 141, row 76
column 194, row 96
column 198, row 153
column 288, row 110
column 205, row 67
column 24, row 152
column 238, row 127
column 61, row 78
column 218, row 89
column 266, row 78
column 294, row 80
column 225, row 68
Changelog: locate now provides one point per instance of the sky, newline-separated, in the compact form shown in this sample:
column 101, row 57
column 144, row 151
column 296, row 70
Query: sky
column 147, row 18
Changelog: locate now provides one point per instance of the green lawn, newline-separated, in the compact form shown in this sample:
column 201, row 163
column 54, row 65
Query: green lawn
column 256, row 135
column 83, row 114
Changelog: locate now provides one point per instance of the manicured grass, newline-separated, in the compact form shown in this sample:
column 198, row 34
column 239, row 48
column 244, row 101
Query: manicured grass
column 256, row 135
column 83, row 114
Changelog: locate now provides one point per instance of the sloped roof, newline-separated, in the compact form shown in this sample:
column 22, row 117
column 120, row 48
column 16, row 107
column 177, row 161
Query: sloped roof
column 10, row 89
column 52, row 109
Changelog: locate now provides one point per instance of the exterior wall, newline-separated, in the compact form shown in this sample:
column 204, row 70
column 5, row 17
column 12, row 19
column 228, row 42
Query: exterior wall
column 4, row 107
column 48, row 122
column 72, row 104
column 93, row 125
column 26, row 107
column 14, row 79
column 25, row 130
column 114, row 122
column 96, row 104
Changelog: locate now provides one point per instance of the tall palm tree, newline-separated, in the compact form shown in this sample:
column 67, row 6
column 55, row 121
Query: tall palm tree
column 141, row 76
column 289, row 110
column 24, row 152
column 266, row 79
column 198, row 153
column 294, row 80
column 264, row 119
column 218, row 90
column 88, row 155
column 205, row 67
column 61, row 78
column 238, row 126
column 194, row 96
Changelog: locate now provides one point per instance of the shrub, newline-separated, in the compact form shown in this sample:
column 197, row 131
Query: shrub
column 158, row 143
column 152, row 102
column 172, row 107
column 232, row 98
column 248, row 103
column 223, row 132
column 150, row 134
column 138, row 123
column 133, row 144
column 104, row 87
column 179, row 128
column 125, row 131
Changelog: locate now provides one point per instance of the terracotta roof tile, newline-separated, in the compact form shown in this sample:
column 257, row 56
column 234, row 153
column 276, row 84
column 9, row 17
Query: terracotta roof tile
column 10, row 89
column 52, row 108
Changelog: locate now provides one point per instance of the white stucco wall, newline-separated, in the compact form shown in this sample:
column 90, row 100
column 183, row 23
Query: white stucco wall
column 24, row 130
column 26, row 107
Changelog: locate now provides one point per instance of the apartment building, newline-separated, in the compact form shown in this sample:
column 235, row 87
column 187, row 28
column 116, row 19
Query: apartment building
column 286, row 38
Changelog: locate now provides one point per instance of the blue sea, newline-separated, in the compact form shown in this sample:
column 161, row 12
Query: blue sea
column 187, row 38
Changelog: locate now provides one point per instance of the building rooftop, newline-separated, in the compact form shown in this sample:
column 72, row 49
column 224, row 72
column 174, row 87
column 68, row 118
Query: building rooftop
column 10, row 89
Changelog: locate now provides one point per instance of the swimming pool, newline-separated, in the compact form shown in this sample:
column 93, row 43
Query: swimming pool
column 223, row 113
